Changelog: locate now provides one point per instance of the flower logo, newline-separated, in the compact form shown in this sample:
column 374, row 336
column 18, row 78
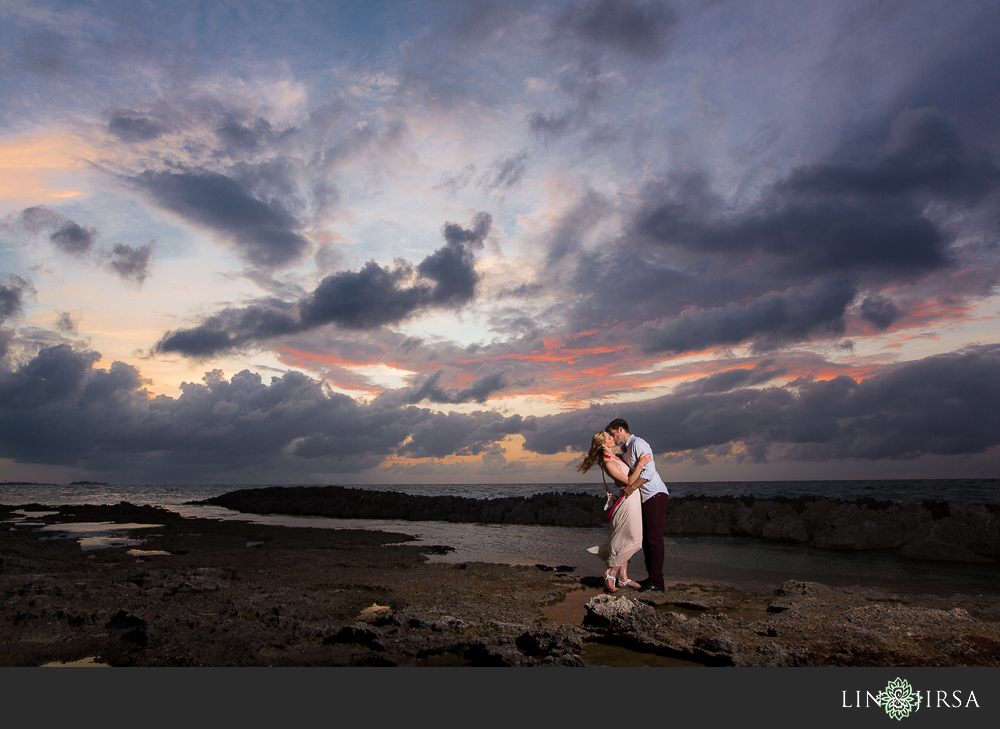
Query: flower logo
column 899, row 699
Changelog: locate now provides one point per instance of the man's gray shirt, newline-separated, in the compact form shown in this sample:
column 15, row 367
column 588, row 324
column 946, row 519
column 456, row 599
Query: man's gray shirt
column 632, row 450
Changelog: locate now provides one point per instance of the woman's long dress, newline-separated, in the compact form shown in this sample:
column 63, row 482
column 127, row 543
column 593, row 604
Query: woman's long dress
column 625, row 534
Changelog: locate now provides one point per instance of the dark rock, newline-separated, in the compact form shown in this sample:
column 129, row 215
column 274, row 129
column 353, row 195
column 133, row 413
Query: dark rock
column 123, row 620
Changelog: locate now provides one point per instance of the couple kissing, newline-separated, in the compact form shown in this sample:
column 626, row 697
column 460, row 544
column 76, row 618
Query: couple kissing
column 637, row 510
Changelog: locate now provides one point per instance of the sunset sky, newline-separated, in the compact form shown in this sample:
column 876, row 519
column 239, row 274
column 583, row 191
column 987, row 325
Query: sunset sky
column 440, row 242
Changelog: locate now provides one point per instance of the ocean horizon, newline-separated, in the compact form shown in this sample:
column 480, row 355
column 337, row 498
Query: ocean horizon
column 959, row 490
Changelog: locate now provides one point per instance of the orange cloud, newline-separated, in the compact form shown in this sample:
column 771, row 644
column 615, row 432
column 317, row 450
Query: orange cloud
column 31, row 168
column 333, row 368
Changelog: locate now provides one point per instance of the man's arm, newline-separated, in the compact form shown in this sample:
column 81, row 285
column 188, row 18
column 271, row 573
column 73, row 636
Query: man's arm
column 642, row 449
column 643, row 459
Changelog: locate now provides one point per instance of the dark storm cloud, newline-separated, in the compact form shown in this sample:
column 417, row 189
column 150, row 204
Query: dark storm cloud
column 790, row 263
column 365, row 299
column 356, row 300
column 130, row 263
column 135, row 128
column 430, row 389
column 12, row 293
column 59, row 409
column 455, row 234
column 924, row 155
column 961, row 80
column 862, row 216
column 638, row 28
column 443, row 434
column 55, row 374
column 732, row 379
column 807, row 236
column 74, row 238
column 946, row 404
column 452, row 268
column 880, row 311
column 232, row 328
column 65, row 234
column 264, row 231
column 772, row 320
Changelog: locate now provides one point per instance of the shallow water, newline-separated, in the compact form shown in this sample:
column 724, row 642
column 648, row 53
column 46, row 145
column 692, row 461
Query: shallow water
column 745, row 563
column 742, row 562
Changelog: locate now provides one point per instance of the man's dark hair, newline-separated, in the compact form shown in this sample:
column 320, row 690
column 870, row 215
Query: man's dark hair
column 616, row 424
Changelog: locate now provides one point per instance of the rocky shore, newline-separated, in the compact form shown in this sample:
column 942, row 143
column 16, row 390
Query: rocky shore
column 930, row 530
column 202, row 592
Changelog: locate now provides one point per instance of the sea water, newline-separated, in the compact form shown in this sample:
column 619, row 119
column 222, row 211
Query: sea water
column 743, row 562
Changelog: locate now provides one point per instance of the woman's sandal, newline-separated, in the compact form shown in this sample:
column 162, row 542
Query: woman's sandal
column 628, row 583
column 609, row 582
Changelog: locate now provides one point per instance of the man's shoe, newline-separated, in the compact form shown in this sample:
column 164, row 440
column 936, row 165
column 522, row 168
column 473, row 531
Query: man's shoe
column 649, row 587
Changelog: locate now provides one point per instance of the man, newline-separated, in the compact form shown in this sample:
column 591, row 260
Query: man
column 654, row 496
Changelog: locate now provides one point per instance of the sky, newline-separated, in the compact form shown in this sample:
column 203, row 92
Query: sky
column 447, row 242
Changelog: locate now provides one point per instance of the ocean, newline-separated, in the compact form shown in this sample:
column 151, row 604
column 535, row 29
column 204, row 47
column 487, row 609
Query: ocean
column 745, row 563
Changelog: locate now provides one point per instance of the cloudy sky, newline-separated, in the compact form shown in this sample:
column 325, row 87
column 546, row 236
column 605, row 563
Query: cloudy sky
column 430, row 241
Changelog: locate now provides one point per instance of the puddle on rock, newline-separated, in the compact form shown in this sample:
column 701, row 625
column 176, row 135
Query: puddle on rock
column 97, row 535
column 572, row 609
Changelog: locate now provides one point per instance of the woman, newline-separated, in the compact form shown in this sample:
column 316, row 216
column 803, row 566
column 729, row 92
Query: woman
column 625, row 537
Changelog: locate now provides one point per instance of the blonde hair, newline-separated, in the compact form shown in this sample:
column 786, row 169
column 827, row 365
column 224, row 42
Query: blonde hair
column 595, row 453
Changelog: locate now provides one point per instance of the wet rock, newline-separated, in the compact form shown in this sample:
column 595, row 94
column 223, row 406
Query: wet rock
column 554, row 645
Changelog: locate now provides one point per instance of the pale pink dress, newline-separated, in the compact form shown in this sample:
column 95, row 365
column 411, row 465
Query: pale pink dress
column 625, row 535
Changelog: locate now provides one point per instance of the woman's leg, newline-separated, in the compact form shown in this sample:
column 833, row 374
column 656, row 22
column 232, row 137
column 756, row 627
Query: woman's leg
column 611, row 579
column 623, row 578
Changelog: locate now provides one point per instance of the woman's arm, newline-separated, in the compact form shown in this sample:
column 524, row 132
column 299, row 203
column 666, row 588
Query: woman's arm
column 627, row 478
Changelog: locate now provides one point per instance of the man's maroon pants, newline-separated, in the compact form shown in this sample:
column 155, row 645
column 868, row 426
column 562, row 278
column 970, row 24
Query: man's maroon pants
column 654, row 511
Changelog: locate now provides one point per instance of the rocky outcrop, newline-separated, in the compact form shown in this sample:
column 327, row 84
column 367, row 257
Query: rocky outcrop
column 549, row 509
column 297, row 597
column 339, row 597
column 929, row 530
column 801, row 624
